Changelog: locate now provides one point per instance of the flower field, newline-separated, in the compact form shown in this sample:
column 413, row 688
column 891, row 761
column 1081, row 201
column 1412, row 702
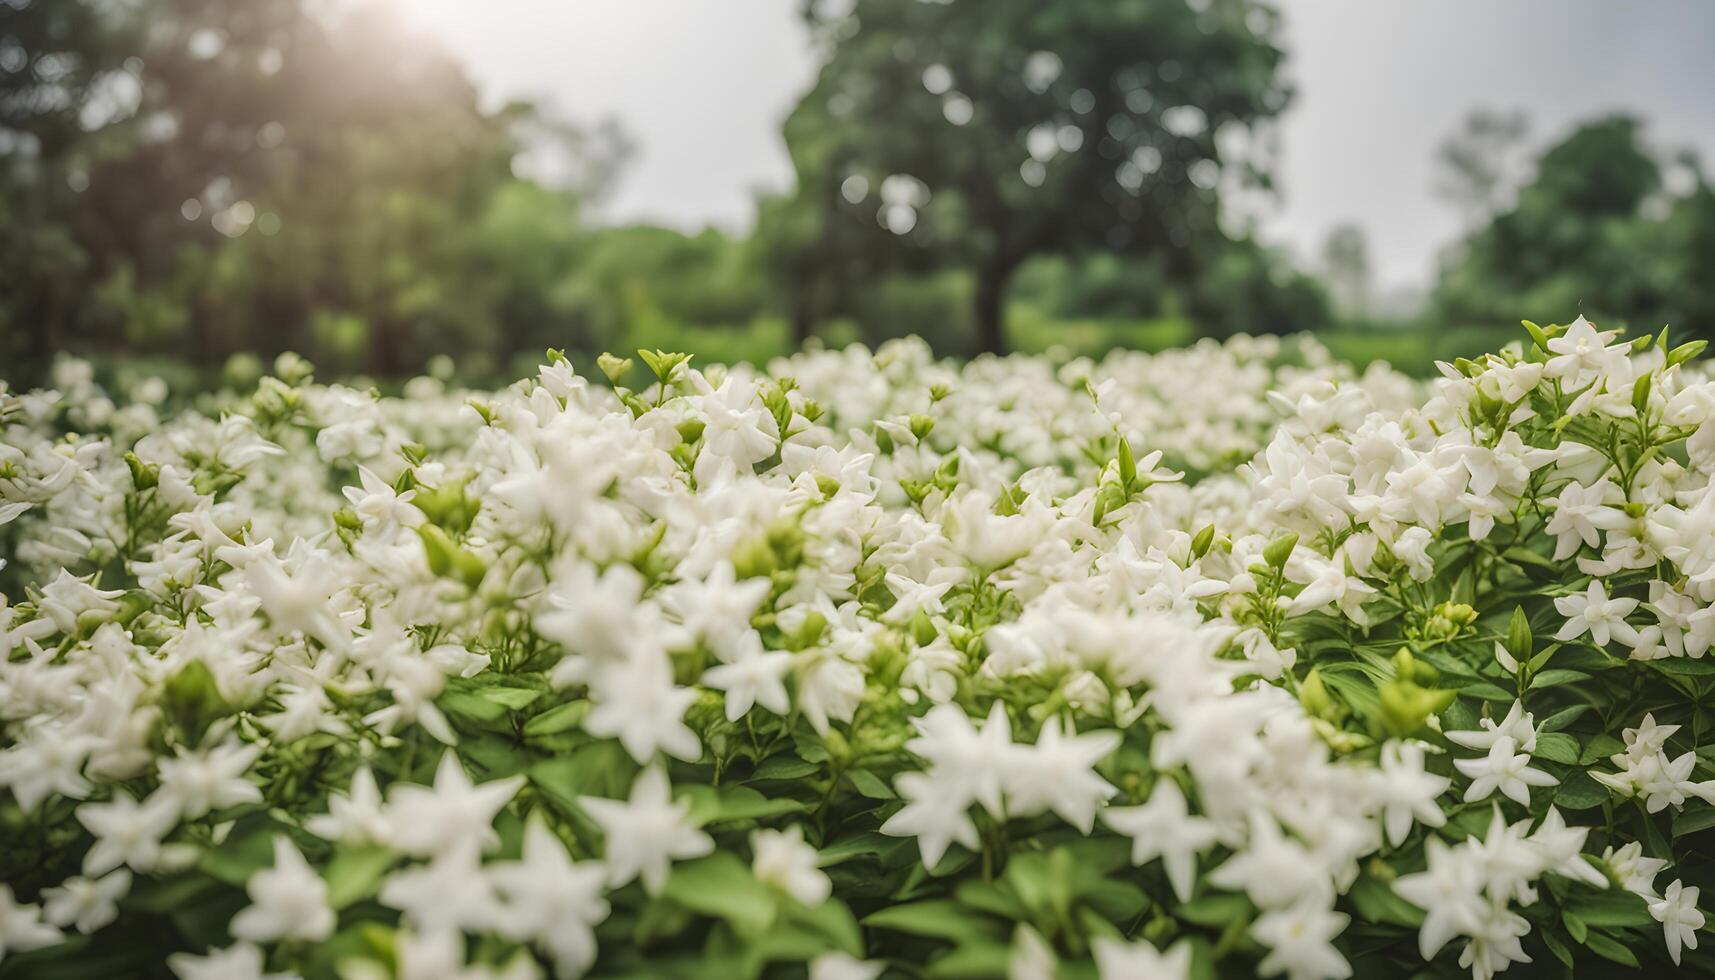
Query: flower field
column 1225, row 661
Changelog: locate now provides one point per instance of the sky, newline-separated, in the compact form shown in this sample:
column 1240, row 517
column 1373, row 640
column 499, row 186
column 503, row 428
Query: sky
column 703, row 85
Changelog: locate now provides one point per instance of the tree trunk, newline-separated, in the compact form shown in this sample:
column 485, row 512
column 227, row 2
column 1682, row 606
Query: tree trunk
column 803, row 324
column 990, row 308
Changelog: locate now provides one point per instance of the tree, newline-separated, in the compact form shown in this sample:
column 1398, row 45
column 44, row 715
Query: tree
column 980, row 133
column 1594, row 232
column 198, row 177
column 1479, row 167
column 1346, row 268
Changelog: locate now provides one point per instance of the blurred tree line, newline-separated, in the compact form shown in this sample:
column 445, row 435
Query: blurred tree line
column 1603, row 225
column 196, row 178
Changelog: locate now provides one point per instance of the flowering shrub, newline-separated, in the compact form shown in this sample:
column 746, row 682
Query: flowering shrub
column 1221, row 661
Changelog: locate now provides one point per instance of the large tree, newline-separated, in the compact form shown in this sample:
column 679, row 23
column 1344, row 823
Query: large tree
column 1586, row 235
column 980, row 133
column 198, row 177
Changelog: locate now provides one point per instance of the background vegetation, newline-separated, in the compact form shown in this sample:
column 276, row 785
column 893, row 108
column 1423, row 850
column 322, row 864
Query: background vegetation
column 194, row 179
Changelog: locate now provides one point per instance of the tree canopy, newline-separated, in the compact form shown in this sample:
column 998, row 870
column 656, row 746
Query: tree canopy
column 981, row 134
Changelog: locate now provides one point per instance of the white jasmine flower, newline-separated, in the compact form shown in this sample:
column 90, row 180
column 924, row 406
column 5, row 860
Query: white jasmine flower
column 86, row 904
column 1504, row 769
column 1679, row 916
column 240, row 961
column 1117, row 959
column 551, row 901
column 1300, row 941
column 290, row 901
column 647, row 832
column 22, row 928
column 126, row 832
column 786, row 862
column 425, row 821
column 1163, row 828
column 1594, row 613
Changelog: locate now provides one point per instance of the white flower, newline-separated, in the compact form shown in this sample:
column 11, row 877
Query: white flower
column 1408, row 792
column 1030, row 958
column 1412, row 548
column 1117, row 959
column 1163, row 828
column 354, row 817
column 550, row 900
column 1679, row 916
column 1518, row 725
column 1300, row 942
column 1450, row 891
column 86, row 903
column 753, row 677
column 126, row 832
column 426, row 821
column 195, row 782
column 1636, row 872
column 450, row 893
column 1056, row 774
column 639, row 704
column 935, row 817
column 786, row 862
column 647, row 832
column 290, row 901
column 1273, row 869
column 1504, row 769
column 22, row 928
column 844, row 966
column 240, row 961
column 1594, row 613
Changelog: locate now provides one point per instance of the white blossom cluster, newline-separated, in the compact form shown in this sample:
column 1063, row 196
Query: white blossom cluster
column 1219, row 659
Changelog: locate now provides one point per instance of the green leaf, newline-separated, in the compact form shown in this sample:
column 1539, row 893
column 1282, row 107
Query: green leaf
column 938, row 919
column 560, row 718
column 971, row 961
column 721, row 886
column 596, row 769
column 1612, row 908
column 835, row 921
column 1557, row 747
column 865, row 844
column 1609, row 948
column 1685, row 666
column 870, row 785
column 1216, row 911
column 1117, row 901
column 239, row 857
column 784, row 766
column 1692, row 821
column 192, row 701
column 1579, row 792
column 991, row 898
column 724, row 804
column 1488, row 691
column 1376, row 901
column 1562, row 718
column 1556, row 677
column 355, row 874
column 1575, row 927
column 1600, row 747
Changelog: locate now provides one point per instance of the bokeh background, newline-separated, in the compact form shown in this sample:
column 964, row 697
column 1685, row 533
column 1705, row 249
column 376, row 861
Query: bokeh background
column 385, row 186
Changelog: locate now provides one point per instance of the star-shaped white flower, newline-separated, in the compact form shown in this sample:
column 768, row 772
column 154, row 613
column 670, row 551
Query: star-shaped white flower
column 1679, row 916
column 646, row 833
column 426, row 821
column 1164, row 828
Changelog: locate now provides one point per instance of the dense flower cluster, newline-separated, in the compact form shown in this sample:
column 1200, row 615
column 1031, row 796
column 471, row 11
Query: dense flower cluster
column 1225, row 660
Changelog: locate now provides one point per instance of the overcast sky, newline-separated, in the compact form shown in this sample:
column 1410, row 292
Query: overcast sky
column 702, row 85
